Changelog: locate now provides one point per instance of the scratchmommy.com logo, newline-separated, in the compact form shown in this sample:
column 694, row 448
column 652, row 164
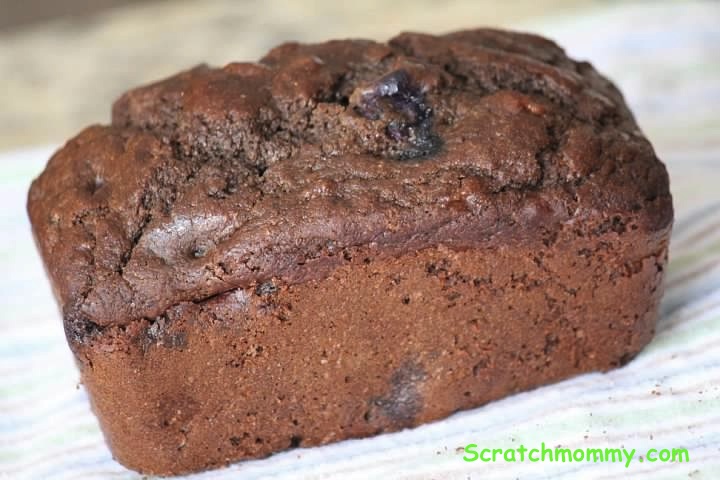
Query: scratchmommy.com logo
column 474, row 453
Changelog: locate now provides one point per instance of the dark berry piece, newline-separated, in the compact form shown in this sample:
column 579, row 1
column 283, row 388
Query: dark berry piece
column 199, row 251
column 267, row 288
column 400, row 101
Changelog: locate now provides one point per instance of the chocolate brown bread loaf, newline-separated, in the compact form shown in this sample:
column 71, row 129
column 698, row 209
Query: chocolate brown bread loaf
column 349, row 238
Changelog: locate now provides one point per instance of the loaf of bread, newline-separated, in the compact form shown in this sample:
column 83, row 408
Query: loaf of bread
column 349, row 238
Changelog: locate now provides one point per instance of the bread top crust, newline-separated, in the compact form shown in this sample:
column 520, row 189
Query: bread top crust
column 216, row 179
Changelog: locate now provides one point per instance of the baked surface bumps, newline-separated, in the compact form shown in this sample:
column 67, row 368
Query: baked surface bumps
column 349, row 238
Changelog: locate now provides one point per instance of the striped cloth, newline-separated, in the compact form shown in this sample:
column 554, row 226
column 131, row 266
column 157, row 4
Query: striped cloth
column 666, row 57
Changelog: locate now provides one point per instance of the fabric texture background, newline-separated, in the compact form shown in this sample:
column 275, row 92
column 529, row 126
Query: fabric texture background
column 666, row 59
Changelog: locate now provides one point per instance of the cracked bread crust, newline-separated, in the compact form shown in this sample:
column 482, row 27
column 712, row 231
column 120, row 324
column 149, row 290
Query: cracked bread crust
column 439, row 221
column 222, row 178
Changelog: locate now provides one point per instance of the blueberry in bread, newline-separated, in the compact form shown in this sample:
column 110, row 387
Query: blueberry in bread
column 349, row 238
